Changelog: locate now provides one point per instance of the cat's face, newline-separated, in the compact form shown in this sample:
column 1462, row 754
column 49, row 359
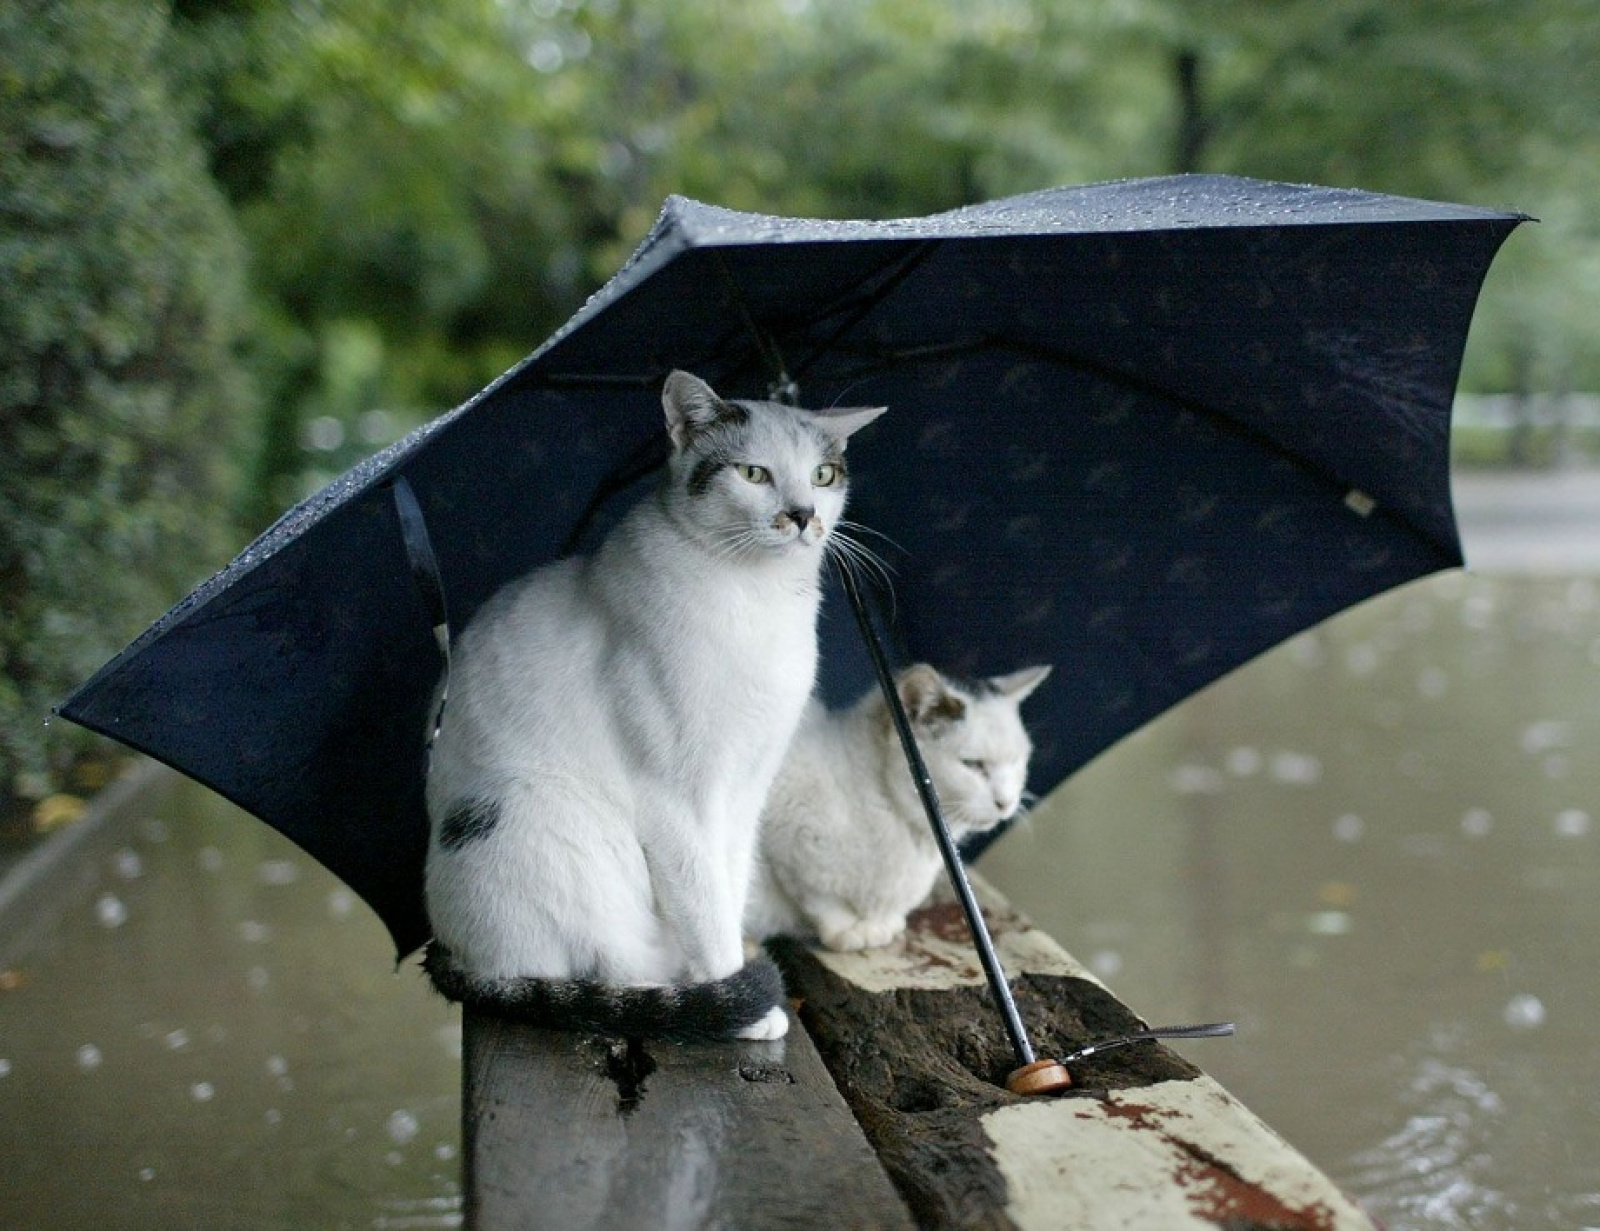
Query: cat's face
column 756, row 477
column 973, row 741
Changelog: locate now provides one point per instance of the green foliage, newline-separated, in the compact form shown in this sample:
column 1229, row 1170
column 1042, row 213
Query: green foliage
column 119, row 395
column 426, row 190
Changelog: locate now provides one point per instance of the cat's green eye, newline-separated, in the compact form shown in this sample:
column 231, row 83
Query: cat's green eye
column 977, row 767
column 753, row 474
column 825, row 475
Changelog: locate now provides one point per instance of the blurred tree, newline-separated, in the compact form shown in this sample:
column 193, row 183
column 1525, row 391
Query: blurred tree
column 119, row 392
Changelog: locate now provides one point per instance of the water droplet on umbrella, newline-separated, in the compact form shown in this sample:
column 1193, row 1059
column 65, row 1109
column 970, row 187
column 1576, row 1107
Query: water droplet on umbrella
column 110, row 911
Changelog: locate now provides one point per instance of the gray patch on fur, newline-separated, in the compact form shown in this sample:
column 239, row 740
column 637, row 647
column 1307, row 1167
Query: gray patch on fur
column 469, row 821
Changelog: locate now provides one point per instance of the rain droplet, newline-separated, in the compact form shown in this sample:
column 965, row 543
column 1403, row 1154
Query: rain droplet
column 277, row 1065
column 1244, row 762
column 202, row 1092
column 258, row 978
column 147, row 1174
column 1524, row 1012
column 1572, row 823
column 1107, row 963
column 1196, row 780
column 274, row 1116
column 340, row 903
column 127, row 863
column 153, row 830
column 1349, row 828
column 1546, row 735
column 88, row 1057
column 253, row 932
column 394, row 1158
column 1476, row 822
column 402, row 1127
column 177, row 1040
column 1432, row 683
column 5, row 1068
column 278, row 872
column 210, row 859
column 1328, row 923
column 1557, row 766
column 444, row 1151
column 110, row 911
column 1296, row 768
column 1361, row 658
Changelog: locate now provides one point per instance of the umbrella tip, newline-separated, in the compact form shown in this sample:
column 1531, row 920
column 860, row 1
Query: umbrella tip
column 1040, row 1077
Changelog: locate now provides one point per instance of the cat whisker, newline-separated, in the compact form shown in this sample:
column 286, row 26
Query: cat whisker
column 856, row 526
column 849, row 554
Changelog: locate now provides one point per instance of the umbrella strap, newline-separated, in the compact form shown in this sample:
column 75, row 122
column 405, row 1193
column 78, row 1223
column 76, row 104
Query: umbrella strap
column 430, row 586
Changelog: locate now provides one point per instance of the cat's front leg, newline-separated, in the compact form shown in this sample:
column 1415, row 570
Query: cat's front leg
column 842, row 928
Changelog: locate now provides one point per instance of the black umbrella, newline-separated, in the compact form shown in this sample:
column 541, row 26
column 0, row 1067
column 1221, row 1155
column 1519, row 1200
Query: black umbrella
column 1140, row 430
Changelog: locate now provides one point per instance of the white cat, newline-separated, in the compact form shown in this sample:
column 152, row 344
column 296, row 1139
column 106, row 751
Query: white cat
column 613, row 726
column 845, row 849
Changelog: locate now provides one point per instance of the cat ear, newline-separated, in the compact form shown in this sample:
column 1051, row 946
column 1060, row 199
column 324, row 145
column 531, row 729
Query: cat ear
column 1019, row 684
column 691, row 405
column 927, row 697
column 842, row 421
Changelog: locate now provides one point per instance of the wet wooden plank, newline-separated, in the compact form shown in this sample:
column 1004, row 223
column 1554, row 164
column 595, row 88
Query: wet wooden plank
column 573, row 1131
column 1143, row 1140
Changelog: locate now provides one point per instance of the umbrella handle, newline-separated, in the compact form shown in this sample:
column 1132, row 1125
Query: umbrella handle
column 429, row 581
column 1041, row 1074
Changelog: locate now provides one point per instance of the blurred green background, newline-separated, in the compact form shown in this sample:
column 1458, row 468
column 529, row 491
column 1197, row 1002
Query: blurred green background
column 244, row 242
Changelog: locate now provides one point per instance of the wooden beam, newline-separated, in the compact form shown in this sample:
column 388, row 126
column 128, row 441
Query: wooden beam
column 1143, row 1140
column 569, row 1130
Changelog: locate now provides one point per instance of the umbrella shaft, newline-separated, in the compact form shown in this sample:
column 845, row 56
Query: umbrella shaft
column 941, row 831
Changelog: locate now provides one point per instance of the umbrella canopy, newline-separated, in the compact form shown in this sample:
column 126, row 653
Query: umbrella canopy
column 1141, row 430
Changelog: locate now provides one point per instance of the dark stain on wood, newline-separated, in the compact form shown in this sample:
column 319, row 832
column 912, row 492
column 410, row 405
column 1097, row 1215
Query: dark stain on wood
column 920, row 1068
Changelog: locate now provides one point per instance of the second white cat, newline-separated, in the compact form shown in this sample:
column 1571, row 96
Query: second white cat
column 845, row 848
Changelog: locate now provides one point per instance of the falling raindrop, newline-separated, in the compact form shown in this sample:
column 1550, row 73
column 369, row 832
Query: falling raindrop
column 444, row 1151
column 273, row 1116
column 277, row 1066
column 147, row 1174
column 278, row 872
column 253, row 932
column 1432, row 683
column 1196, row 780
column 1244, row 762
column 1107, row 963
column 1476, row 822
column 1328, row 923
column 154, row 830
column 5, row 1068
column 1557, row 766
column 177, row 1040
column 110, row 911
column 1572, row 823
column 1349, row 828
column 88, row 1057
column 258, row 978
column 210, row 859
column 340, row 903
column 127, row 864
column 402, row 1126
column 1361, row 658
column 202, row 1091
column 1524, row 1012
column 1296, row 768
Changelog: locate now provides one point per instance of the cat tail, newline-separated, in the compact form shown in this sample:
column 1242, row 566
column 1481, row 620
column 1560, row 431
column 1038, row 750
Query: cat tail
column 681, row 1013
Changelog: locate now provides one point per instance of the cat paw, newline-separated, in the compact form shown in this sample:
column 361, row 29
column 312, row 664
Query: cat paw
column 864, row 934
column 774, row 1025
